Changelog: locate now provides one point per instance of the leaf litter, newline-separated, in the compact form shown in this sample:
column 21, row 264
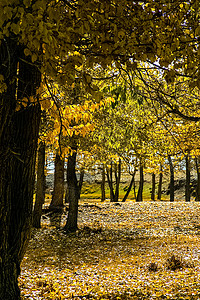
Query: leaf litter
column 128, row 251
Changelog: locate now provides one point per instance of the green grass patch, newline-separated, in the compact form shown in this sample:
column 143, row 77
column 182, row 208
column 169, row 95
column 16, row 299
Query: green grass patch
column 93, row 191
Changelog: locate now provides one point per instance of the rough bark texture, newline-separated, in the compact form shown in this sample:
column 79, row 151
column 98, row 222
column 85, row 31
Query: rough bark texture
column 187, row 183
column 160, row 184
column 58, row 191
column 73, row 189
column 153, row 188
column 18, row 145
column 141, row 184
column 197, row 160
column 171, row 178
column 40, row 186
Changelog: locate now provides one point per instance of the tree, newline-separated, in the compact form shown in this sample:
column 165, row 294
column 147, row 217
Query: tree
column 187, row 184
column 171, row 178
column 56, row 38
column 160, row 183
column 73, row 190
column 58, row 190
column 40, row 186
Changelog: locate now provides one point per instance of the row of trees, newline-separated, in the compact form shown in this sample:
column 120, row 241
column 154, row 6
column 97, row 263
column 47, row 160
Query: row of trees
column 44, row 41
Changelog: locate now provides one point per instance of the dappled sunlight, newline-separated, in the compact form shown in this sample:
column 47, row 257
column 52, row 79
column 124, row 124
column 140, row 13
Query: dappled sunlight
column 113, row 254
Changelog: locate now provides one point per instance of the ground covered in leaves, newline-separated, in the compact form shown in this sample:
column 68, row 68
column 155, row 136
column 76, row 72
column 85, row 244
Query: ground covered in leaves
column 124, row 251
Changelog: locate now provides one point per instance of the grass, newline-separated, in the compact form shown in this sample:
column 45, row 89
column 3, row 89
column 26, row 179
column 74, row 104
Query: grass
column 93, row 191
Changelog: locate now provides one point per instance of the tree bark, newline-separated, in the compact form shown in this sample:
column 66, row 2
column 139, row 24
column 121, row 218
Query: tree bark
column 18, row 146
column 80, row 182
column 110, row 181
column 187, row 184
column 117, row 180
column 129, row 188
column 153, row 188
column 171, row 178
column 197, row 160
column 160, row 184
column 114, row 193
column 103, row 183
column 71, row 224
column 58, row 190
column 40, row 186
column 141, row 184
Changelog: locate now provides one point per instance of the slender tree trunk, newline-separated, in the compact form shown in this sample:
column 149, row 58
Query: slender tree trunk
column 58, row 191
column 40, row 187
column 171, row 179
column 110, row 181
column 141, row 184
column 74, row 194
column 160, row 184
column 103, row 183
column 18, row 146
column 197, row 160
column 117, row 180
column 187, row 184
column 80, row 182
column 129, row 188
column 153, row 187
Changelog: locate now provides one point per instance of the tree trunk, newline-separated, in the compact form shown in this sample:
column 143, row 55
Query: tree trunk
column 187, row 184
column 80, row 182
column 103, row 183
column 141, row 184
column 160, row 184
column 18, row 146
column 117, row 180
column 114, row 193
column 71, row 224
column 58, row 190
column 129, row 188
column 110, row 181
column 171, row 179
column 18, row 192
column 153, row 187
column 197, row 160
column 40, row 187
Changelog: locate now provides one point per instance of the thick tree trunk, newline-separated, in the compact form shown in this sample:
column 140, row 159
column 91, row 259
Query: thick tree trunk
column 40, row 186
column 71, row 224
column 80, row 184
column 141, row 184
column 171, row 178
column 103, row 184
column 197, row 163
column 187, row 184
column 16, row 186
column 58, row 190
column 153, row 188
column 18, row 145
column 160, row 184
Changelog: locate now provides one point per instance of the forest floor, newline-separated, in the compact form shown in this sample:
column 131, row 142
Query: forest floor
column 148, row 250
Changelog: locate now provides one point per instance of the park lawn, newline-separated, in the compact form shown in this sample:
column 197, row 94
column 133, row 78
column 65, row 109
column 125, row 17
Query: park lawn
column 126, row 251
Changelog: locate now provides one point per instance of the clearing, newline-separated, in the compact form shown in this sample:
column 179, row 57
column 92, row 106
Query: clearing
column 147, row 250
